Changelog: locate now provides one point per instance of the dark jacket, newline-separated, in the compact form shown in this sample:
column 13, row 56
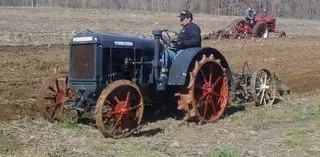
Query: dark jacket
column 189, row 36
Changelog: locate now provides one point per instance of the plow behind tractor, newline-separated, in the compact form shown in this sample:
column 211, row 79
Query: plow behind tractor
column 262, row 27
column 261, row 86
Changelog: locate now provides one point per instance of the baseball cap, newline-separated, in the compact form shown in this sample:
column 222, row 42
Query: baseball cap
column 185, row 14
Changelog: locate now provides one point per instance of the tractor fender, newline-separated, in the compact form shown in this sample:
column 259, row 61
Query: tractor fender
column 185, row 60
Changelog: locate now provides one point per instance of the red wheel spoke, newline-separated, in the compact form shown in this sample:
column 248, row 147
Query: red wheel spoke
column 214, row 107
column 204, row 77
column 215, row 83
column 58, row 103
column 57, row 85
column 52, row 89
column 127, row 99
column 135, row 107
column 114, row 113
column 56, row 106
column 211, row 71
column 108, row 102
column 117, row 123
column 117, row 99
column 53, row 112
column 50, row 98
column 203, row 96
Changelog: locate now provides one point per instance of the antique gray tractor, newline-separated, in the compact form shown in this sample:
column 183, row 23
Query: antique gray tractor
column 240, row 28
column 113, row 76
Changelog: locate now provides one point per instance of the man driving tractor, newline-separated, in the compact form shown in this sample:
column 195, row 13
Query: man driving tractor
column 249, row 16
column 189, row 36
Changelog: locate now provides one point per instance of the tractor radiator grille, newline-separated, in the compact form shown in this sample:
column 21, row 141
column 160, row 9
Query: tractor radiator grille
column 82, row 60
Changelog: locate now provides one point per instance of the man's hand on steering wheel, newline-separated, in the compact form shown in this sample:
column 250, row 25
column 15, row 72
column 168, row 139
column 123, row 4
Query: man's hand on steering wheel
column 170, row 38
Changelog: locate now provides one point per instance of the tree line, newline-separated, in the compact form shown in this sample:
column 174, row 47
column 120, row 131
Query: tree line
column 307, row 9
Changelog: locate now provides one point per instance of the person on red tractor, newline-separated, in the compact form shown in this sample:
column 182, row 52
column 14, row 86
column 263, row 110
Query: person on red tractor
column 189, row 36
column 249, row 16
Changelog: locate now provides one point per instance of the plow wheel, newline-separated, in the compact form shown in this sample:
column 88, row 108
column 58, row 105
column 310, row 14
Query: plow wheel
column 263, row 87
column 119, row 109
column 206, row 96
column 53, row 97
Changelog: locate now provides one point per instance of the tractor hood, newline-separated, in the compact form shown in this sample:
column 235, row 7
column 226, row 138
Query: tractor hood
column 114, row 40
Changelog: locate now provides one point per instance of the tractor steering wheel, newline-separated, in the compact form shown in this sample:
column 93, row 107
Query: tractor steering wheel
column 169, row 37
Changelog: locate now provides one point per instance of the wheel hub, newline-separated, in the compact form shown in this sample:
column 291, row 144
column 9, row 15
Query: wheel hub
column 207, row 88
column 60, row 96
column 122, row 109
column 264, row 86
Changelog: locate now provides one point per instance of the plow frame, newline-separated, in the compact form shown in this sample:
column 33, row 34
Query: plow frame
column 260, row 86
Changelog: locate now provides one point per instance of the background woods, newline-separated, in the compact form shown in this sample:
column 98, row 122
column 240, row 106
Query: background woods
column 307, row 9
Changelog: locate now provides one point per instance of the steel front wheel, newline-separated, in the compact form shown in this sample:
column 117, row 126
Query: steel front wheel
column 207, row 93
column 53, row 96
column 260, row 30
column 119, row 109
column 263, row 87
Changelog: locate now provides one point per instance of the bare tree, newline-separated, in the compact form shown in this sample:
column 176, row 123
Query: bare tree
column 283, row 8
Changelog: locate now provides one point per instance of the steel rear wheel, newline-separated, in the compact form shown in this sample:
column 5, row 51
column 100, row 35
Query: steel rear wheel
column 53, row 96
column 263, row 87
column 239, row 26
column 207, row 93
column 119, row 109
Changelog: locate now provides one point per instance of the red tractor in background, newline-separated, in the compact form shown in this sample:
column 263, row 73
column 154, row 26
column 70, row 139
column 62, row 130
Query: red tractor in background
column 240, row 28
column 261, row 27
